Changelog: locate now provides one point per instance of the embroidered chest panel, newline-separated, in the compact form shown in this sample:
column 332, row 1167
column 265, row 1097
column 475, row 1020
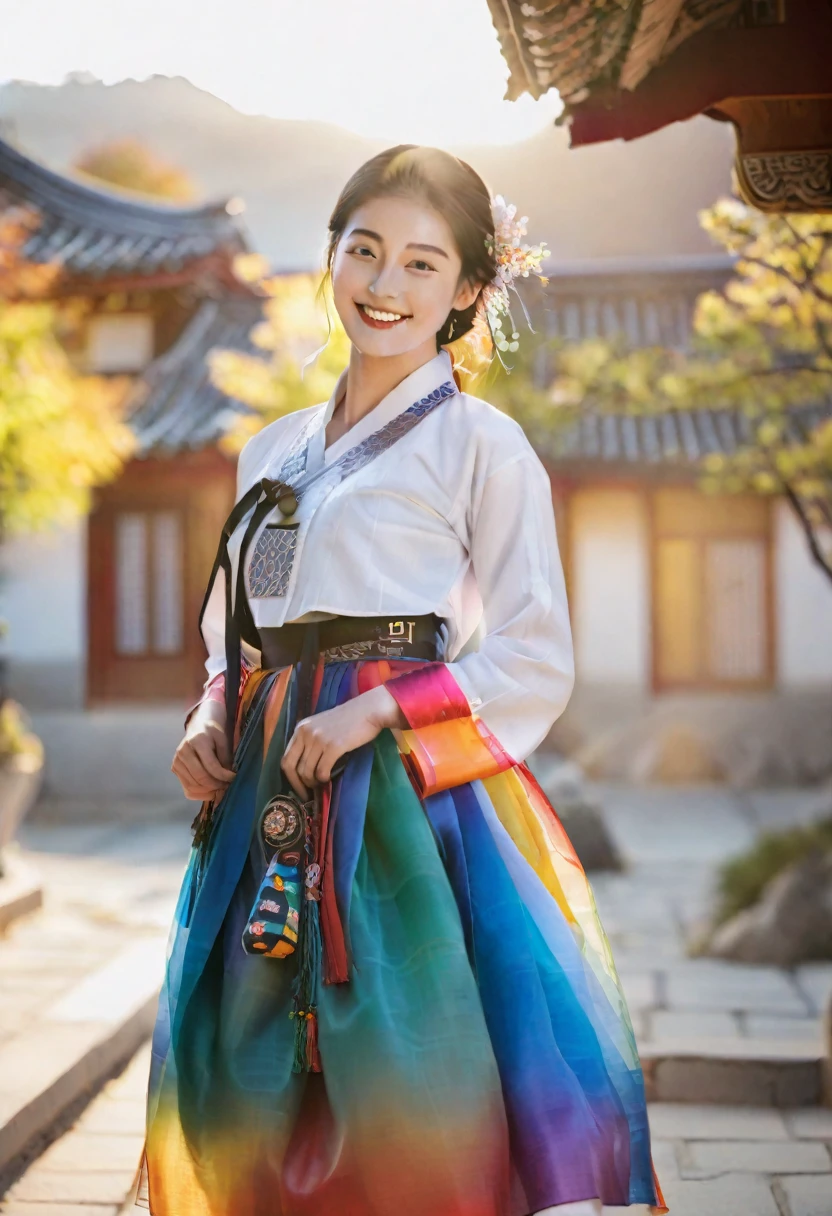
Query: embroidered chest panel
column 270, row 568
column 271, row 561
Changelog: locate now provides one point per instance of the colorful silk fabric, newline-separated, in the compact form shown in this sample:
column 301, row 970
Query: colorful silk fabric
column 479, row 1061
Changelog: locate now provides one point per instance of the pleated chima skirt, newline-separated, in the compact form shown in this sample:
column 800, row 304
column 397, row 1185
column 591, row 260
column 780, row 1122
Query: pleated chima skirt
column 479, row 1060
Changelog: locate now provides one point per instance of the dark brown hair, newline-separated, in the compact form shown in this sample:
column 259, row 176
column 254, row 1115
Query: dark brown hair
column 448, row 185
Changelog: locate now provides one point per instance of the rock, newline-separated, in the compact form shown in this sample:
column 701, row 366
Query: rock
column 592, row 842
column 676, row 755
column 563, row 783
column 747, row 740
column 821, row 807
column 20, row 780
column 792, row 923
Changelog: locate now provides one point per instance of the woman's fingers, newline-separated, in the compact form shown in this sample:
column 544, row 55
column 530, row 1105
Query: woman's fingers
column 326, row 763
column 289, row 765
column 296, row 783
column 193, row 790
column 308, row 762
column 303, row 755
column 188, row 768
column 205, row 748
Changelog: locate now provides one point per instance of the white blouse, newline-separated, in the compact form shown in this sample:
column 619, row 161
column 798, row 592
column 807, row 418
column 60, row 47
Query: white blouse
column 455, row 517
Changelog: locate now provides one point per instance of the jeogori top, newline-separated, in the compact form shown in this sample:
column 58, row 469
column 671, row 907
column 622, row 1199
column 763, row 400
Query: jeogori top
column 433, row 502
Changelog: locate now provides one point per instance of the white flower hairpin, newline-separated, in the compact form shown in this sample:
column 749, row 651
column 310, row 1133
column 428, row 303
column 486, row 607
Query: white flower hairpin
column 515, row 259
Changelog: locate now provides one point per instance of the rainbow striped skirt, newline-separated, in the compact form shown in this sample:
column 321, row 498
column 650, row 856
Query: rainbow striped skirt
column 476, row 1058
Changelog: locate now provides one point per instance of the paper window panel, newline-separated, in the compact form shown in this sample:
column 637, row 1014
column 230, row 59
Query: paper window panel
column 736, row 596
column 131, row 624
column 167, row 583
column 119, row 342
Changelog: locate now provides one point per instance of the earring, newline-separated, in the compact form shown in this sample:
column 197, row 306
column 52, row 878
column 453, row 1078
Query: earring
column 451, row 330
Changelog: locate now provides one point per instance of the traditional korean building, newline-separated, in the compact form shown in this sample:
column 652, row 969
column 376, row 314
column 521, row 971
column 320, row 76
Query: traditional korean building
column 626, row 69
column 702, row 613
column 706, row 609
column 104, row 610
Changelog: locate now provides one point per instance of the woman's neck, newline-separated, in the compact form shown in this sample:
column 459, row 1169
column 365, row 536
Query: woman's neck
column 369, row 380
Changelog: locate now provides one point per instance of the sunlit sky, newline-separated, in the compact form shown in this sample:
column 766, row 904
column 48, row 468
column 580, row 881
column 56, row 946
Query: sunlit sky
column 425, row 71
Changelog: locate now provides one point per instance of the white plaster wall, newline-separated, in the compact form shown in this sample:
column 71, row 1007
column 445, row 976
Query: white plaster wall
column 43, row 594
column 610, row 587
column 803, row 599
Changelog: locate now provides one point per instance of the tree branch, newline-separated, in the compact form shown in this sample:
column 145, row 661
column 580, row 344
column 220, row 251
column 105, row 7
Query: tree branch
column 817, row 553
column 807, row 283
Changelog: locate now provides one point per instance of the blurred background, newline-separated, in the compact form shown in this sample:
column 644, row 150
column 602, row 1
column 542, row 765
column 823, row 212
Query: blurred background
column 166, row 176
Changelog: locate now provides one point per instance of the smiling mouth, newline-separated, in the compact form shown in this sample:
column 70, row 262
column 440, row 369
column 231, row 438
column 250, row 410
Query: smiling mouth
column 378, row 318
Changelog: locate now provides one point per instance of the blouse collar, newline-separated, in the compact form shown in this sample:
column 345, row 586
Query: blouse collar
column 413, row 388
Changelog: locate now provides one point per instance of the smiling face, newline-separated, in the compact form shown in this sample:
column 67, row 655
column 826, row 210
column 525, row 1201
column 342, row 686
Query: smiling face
column 396, row 276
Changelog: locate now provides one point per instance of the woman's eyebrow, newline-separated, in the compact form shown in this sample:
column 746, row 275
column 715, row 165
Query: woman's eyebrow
column 375, row 236
column 428, row 248
column 366, row 232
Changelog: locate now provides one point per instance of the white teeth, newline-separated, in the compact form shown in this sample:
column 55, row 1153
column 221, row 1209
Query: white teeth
column 381, row 316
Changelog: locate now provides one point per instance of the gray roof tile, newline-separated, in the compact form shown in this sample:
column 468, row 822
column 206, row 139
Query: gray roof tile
column 92, row 231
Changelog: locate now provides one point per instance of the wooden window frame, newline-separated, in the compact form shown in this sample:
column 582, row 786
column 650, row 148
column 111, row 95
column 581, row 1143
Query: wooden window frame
column 200, row 486
column 708, row 684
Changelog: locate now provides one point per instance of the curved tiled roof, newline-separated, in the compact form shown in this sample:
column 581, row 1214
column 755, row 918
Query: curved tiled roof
column 678, row 440
column 578, row 45
column 176, row 407
column 96, row 232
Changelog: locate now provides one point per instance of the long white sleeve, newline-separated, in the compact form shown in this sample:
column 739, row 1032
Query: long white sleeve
column 521, row 677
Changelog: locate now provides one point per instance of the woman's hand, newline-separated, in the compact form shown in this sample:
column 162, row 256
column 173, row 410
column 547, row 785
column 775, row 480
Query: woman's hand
column 320, row 741
column 202, row 762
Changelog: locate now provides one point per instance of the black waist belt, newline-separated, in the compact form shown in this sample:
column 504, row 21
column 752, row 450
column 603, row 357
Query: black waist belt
column 347, row 638
column 414, row 637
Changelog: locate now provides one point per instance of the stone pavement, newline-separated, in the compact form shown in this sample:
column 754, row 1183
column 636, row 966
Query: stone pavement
column 711, row 1161
column 90, row 1171
column 78, row 979
column 672, row 840
column 111, row 888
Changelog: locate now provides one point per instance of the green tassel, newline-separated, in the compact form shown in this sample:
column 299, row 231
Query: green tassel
column 306, row 990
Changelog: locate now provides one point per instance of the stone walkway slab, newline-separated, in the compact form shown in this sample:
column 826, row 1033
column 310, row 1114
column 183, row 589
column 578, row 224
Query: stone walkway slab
column 731, row 1195
column 761, row 1021
column 807, row 1196
column 79, row 979
column 711, row 1160
column 687, row 1121
column 88, row 1171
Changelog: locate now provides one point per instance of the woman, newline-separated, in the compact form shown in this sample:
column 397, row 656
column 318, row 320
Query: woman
column 436, row 1028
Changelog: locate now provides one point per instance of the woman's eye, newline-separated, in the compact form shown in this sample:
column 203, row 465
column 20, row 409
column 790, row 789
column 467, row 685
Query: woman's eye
column 363, row 251
column 419, row 264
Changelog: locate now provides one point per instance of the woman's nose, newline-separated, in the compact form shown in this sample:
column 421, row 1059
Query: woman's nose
column 387, row 282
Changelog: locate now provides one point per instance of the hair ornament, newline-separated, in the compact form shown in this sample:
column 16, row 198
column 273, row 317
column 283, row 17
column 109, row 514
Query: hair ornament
column 515, row 259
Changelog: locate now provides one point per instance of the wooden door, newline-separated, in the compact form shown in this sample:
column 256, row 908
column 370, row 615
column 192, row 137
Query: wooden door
column 152, row 538
column 712, row 602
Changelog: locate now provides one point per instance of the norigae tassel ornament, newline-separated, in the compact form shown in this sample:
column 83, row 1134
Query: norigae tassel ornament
column 305, row 1013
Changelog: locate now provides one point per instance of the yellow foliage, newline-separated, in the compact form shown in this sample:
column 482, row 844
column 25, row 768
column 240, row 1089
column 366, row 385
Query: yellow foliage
column 129, row 165
column 762, row 347
column 60, row 433
column 298, row 321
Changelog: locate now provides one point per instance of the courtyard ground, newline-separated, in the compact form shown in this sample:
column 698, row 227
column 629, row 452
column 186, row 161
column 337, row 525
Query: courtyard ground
column 84, row 968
